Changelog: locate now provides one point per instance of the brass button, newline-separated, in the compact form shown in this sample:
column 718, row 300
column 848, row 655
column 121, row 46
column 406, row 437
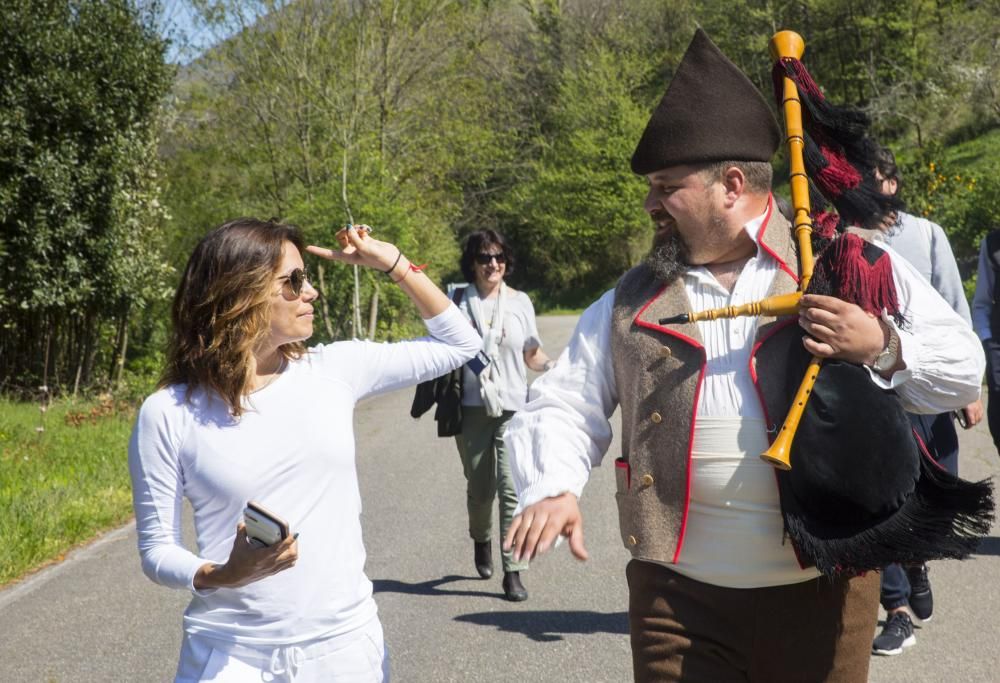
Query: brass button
column 665, row 352
column 632, row 540
column 656, row 417
column 647, row 480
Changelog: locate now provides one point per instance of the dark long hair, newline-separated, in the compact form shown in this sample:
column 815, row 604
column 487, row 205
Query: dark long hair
column 475, row 243
column 221, row 310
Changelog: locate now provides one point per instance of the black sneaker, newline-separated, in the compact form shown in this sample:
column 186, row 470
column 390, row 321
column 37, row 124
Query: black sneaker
column 896, row 635
column 921, row 598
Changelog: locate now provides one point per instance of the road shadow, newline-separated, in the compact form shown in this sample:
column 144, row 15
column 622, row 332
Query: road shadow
column 989, row 546
column 432, row 587
column 552, row 625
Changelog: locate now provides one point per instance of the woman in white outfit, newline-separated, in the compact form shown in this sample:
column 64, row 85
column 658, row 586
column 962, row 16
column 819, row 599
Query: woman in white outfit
column 246, row 412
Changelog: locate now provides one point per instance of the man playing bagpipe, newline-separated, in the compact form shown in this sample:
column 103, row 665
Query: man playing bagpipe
column 740, row 571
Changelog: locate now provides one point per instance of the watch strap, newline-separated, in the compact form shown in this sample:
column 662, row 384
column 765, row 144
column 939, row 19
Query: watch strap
column 890, row 354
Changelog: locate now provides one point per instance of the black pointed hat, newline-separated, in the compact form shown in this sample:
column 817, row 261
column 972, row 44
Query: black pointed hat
column 710, row 112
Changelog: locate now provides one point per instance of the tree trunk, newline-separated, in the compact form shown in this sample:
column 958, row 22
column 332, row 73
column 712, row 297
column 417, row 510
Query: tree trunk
column 122, row 350
column 45, row 362
column 373, row 313
column 356, row 306
column 77, row 351
column 89, row 348
column 325, row 302
column 79, row 371
column 116, row 352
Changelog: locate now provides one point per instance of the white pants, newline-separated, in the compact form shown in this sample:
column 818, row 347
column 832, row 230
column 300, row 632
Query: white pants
column 356, row 657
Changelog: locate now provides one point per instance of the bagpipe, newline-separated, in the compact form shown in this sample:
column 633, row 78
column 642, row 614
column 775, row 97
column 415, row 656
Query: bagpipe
column 858, row 489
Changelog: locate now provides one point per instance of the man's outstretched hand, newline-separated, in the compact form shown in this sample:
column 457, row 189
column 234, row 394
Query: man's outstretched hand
column 538, row 526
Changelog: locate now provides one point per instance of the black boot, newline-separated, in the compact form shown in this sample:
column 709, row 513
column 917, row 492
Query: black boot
column 483, row 554
column 513, row 589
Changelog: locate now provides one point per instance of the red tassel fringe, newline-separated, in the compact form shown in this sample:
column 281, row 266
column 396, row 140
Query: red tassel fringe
column 825, row 224
column 839, row 174
column 870, row 286
column 805, row 83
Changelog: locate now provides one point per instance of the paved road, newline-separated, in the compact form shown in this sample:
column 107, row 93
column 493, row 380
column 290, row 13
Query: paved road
column 95, row 617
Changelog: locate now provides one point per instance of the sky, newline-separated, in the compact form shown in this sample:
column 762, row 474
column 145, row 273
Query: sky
column 187, row 37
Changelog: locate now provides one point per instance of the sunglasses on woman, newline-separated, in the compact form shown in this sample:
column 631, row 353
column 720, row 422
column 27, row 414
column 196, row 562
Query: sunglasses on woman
column 484, row 259
column 294, row 282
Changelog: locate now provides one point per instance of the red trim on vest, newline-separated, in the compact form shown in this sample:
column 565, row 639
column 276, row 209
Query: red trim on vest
column 625, row 465
column 753, row 352
column 760, row 240
column 687, row 483
column 753, row 373
column 767, row 418
column 694, row 410
column 664, row 330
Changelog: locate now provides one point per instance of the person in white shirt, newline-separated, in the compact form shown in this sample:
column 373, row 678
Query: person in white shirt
column 246, row 412
column 716, row 592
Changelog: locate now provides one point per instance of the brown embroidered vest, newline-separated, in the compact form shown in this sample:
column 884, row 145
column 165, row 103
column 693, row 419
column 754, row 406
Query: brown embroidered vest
column 659, row 372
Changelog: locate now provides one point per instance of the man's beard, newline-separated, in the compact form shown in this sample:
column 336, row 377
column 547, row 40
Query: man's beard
column 668, row 258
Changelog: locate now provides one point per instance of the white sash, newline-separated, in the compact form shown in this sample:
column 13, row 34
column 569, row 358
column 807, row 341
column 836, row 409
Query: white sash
column 489, row 379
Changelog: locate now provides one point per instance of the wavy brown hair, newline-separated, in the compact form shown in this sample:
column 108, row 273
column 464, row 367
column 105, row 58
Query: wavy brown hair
column 221, row 311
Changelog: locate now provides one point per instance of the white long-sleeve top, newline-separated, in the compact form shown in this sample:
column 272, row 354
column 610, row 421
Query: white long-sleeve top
column 982, row 300
column 564, row 430
column 293, row 452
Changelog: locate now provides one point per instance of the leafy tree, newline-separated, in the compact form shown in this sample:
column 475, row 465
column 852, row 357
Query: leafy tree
column 334, row 112
column 82, row 84
column 579, row 220
column 432, row 118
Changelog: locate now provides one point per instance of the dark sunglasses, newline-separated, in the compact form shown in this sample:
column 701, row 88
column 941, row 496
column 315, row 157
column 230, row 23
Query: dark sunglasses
column 484, row 259
column 294, row 281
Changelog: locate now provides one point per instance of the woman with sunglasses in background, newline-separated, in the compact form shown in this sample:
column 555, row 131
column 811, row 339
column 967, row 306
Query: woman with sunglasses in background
column 494, row 385
column 245, row 412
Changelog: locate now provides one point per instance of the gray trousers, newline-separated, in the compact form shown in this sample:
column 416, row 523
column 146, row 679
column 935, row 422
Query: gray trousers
column 487, row 473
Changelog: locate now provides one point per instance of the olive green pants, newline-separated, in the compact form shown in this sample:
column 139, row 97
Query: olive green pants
column 487, row 473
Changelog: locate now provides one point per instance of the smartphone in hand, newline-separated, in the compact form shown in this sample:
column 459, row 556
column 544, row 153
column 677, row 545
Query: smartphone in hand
column 264, row 528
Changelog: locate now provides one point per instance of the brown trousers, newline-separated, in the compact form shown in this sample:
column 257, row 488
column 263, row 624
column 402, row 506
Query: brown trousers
column 686, row 630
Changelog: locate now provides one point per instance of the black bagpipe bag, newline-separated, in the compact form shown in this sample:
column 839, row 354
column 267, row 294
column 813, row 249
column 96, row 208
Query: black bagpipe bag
column 862, row 491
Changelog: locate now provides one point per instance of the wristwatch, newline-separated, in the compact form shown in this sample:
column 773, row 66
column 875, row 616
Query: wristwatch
column 886, row 360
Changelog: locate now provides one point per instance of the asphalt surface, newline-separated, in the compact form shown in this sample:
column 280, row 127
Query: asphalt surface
column 95, row 617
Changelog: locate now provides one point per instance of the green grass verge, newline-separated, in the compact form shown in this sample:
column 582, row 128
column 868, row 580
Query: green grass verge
column 62, row 485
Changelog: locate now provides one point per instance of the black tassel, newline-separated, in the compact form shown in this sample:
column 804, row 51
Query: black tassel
column 944, row 518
